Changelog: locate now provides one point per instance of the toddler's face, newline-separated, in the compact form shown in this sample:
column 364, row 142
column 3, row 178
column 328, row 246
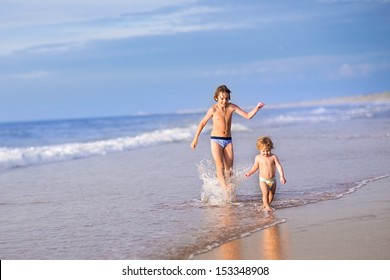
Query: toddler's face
column 265, row 152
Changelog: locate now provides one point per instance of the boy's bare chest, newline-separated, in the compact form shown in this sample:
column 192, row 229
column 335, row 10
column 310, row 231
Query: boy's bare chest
column 222, row 115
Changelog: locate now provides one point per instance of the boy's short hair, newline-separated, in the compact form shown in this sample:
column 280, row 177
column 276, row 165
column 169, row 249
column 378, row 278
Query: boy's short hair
column 223, row 89
column 264, row 142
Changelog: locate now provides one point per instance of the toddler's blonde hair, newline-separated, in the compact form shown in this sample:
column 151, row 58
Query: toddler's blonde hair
column 264, row 142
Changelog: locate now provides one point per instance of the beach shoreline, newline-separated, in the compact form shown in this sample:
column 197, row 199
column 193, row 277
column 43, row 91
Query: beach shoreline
column 353, row 227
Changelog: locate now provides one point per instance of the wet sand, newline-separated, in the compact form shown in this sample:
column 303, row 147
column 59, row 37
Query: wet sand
column 354, row 227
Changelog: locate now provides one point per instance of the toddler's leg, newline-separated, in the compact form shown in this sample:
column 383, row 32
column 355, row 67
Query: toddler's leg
column 271, row 193
column 265, row 192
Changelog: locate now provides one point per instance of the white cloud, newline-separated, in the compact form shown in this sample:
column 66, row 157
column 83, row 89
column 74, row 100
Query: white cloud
column 32, row 75
column 359, row 70
column 305, row 68
column 41, row 12
column 350, row 70
column 354, row 1
column 23, row 76
column 43, row 26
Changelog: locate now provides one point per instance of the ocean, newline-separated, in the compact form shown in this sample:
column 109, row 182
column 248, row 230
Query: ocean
column 132, row 188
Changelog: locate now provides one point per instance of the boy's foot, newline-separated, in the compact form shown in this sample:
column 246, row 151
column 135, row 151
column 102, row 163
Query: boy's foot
column 268, row 209
column 230, row 194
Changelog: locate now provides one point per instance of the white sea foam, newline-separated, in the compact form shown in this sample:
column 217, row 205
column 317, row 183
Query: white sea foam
column 11, row 157
column 26, row 156
column 328, row 114
column 363, row 183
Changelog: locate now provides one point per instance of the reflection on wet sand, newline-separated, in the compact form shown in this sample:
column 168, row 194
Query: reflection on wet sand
column 230, row 250
column 270, row 244
column 274, row 245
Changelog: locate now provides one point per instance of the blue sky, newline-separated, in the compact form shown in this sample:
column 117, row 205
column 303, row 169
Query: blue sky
column 87, row 58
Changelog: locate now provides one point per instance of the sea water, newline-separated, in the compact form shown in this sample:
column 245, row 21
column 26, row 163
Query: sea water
column 131, row 187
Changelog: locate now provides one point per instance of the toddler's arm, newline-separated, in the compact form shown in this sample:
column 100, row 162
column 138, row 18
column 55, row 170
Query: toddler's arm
column 280, row 170
column 254, row 168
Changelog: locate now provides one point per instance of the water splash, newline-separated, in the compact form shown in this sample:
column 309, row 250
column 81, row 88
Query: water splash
column 212, row 193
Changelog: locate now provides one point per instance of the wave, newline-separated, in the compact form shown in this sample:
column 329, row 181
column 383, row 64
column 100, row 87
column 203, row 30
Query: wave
column 330, row 114
column 26, row 156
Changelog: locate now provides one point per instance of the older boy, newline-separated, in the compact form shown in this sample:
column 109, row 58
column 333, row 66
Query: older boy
column 221, row 137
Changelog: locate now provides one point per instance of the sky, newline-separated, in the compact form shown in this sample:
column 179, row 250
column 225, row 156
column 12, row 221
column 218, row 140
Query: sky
column 64, row 59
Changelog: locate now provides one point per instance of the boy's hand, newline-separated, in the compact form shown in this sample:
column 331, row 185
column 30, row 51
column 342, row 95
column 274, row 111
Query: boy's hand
column 260, row 105
column 247, row 175
column 193, row 144
column 283, row 180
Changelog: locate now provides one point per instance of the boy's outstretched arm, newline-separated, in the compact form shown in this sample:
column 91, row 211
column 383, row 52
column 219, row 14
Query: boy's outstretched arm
column 251, row 114
column 201, row 125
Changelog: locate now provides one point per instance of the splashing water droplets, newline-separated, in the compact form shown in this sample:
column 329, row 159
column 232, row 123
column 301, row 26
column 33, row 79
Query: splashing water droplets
column 212, row 193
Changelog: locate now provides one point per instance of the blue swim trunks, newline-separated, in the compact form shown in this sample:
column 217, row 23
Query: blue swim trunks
column 222, row 141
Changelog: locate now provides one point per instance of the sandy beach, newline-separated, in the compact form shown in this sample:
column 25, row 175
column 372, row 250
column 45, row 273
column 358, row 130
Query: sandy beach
column 354, row 227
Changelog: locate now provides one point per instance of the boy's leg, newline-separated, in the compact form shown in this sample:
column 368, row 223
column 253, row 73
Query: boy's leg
column 265, row 195
column 228, row 158
column 217, row 152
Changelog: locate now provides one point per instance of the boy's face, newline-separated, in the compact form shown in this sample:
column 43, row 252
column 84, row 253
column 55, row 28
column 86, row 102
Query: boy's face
column 223, row 98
